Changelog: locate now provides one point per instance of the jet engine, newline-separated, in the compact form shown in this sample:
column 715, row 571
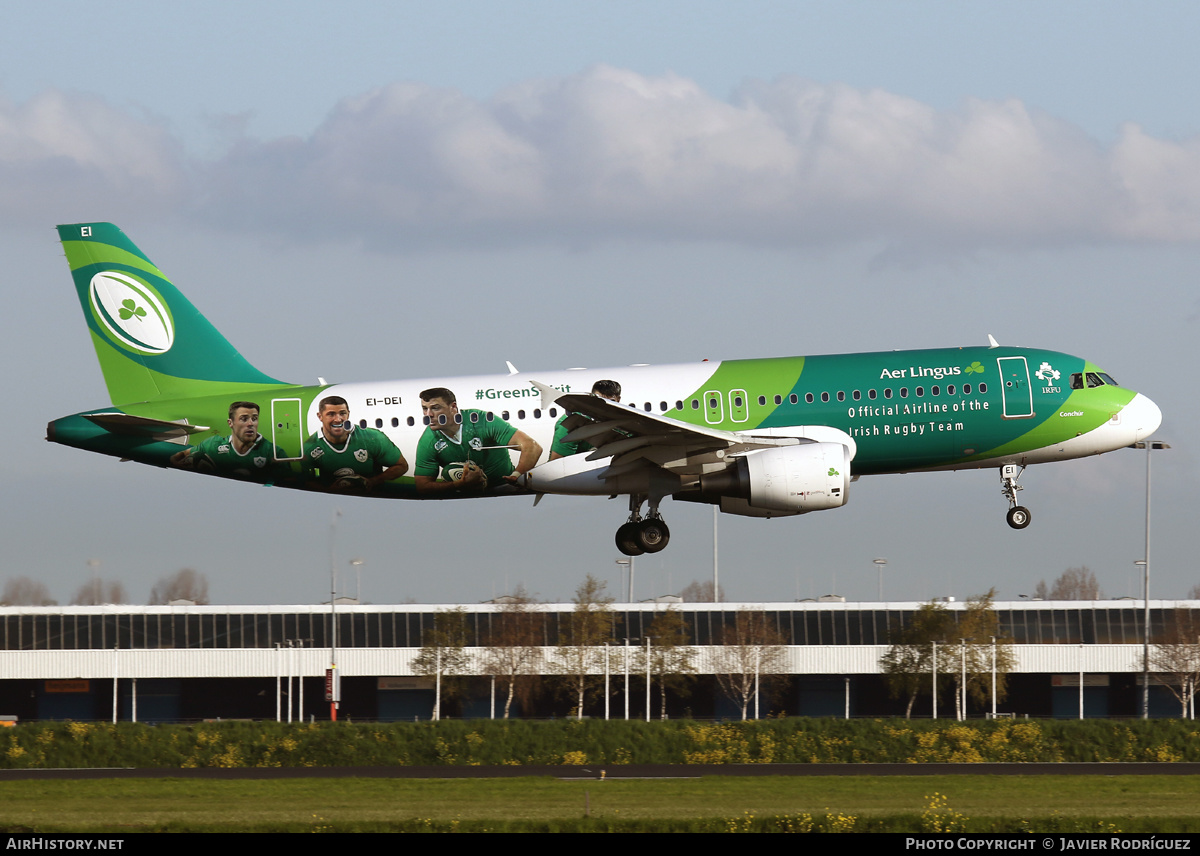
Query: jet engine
column 783, row 480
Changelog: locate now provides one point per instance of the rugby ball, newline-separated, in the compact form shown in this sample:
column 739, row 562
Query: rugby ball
column 348, row 480
column 454, row 472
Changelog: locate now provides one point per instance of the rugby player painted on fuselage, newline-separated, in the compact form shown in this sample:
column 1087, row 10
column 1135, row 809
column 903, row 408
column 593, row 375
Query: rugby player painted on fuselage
column 765, row 437
column 343, row 458
column 244, row 454
column 476, row 440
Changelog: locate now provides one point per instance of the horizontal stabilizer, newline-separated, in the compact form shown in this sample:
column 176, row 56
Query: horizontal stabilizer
column 141, row 426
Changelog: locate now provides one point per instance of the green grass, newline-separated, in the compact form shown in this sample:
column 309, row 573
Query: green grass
column 1002, row 803
column 466, row 743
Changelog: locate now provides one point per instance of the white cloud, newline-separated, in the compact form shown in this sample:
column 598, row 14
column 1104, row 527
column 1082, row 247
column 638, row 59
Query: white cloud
column 609, row 152
column 66, row 156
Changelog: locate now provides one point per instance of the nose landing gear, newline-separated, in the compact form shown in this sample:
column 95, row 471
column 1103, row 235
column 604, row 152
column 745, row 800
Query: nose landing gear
column 640, row 535
column 1018, row 516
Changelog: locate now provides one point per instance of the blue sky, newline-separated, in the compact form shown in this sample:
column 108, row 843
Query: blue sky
column 622, row 182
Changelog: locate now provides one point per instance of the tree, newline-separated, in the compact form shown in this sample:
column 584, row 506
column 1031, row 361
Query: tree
column 581, row 654
column 1072, row 584
column 751, row 650
column 22, row 591
column 1194, row 592
column 514, row 649
column 444, row 654
column 908, row 663
column 96, row 591
column 972, row 644
column 701, row 592
column 671, row 655
column 1175, row 661
column 184, row 584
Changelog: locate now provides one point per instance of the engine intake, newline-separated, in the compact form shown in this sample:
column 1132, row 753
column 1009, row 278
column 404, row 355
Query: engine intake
column 790, row 479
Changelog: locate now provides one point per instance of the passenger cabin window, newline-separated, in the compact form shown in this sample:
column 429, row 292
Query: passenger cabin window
column 871, row 394
column 762, row 401
column 887, row 393
column 362, row 423
column 792, row 399
column 412, row 422
column 378, row 423
column 808, row 397
column 474, row 418
column 779, row 399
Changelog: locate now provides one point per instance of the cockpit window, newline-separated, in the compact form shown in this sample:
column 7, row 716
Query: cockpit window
column 1093, row 380
column 1077, row 380
column 1108, row 379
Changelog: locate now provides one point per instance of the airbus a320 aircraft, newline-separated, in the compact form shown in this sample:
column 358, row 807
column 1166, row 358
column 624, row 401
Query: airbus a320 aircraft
column 762, row 438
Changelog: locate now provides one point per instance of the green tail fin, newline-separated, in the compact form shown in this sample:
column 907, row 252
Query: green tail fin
column 151, row 342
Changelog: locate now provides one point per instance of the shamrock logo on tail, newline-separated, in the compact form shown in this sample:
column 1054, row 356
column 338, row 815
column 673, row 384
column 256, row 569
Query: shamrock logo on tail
column 129, row 309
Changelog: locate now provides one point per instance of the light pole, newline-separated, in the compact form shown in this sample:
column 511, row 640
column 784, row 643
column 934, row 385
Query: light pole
column 628, row 561
column 716, row 576
column 357, row 565
column 1145, row 566
column 331, row 680
column 880, row 564
column 1149, row 446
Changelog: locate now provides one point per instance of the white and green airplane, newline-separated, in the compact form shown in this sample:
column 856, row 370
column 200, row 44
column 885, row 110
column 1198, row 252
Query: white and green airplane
column 763, row 437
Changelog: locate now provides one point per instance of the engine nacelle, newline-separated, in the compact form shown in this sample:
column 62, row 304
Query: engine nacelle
column 789, row 479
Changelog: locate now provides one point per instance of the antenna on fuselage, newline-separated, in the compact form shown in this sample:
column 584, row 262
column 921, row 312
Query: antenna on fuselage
column 512, row 370
column 992, row 343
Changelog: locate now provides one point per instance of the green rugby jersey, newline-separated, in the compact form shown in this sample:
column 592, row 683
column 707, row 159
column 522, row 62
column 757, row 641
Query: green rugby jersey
column 258, row 463
column 367, row 452
column 560, row 446
column 435, row 450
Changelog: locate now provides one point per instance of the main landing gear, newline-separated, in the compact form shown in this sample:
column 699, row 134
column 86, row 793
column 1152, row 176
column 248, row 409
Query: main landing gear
column 640, row 535
column 1018, row 515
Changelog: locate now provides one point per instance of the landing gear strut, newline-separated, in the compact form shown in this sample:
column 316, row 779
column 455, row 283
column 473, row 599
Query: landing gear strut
column 640, row 535
column 1018, row 515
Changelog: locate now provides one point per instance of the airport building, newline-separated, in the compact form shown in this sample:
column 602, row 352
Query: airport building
column 186, row 662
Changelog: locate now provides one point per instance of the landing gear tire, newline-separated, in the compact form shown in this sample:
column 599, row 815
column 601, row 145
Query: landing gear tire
column 653, row 535
column 629, row 539
column 1018, row 517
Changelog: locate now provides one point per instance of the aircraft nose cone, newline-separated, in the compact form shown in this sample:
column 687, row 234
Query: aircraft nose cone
column 1142, row 416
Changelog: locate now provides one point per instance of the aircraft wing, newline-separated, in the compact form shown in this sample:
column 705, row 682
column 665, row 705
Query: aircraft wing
column 635, row 439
